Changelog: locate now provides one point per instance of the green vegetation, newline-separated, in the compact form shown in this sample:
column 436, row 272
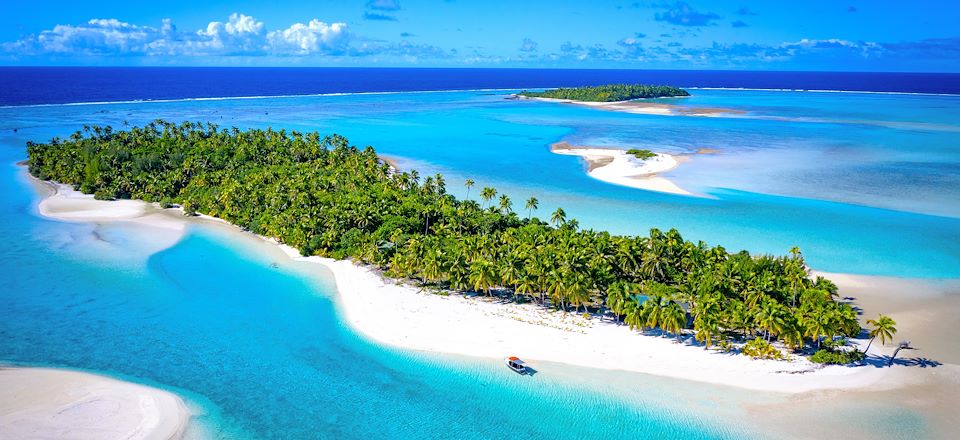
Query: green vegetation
column 760, row 349
column 326, row 197
column 608, row 93
column 883, row 327
column 642, row 154
column 837, row 357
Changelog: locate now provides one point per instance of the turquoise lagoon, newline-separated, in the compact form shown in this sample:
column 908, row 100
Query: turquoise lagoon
column 863, row 183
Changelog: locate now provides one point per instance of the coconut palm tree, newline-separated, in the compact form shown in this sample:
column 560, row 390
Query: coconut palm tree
column 818, row 323
column 468, row 184
column 505, row 204
column 532, row 203
column 487, row 194
column 633, row 313
column 673, row 319
column 558, row 217
column 618, row 296
column 769, row 318
column 883, row 327
column 482, row 275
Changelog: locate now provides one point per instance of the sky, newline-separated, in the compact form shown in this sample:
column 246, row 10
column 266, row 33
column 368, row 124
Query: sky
column 853, row 35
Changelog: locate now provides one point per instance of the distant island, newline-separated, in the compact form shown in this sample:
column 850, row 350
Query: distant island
column 608, row 93
column 326, row 197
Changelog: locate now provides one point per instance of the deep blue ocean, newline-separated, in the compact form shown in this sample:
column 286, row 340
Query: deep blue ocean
column 58, row 85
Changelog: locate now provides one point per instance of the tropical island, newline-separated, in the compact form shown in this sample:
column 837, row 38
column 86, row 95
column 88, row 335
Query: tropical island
column 608, row 93
column 325, row 197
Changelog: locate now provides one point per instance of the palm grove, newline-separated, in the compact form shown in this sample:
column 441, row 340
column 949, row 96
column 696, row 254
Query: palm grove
column 326, row 197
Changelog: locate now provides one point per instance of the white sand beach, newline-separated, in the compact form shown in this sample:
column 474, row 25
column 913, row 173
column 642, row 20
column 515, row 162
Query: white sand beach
column 642, row 107
column 619, row 168
column 402, row 316
column 67, row 204
column 43, row 403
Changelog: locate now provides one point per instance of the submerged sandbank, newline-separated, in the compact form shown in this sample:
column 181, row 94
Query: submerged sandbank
column 402, row 316
column 644, row 107
column 67, row 204
column 619, row 168
column 49, row 403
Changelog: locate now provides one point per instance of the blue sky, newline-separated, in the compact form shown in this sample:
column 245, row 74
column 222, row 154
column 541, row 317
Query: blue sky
column 858, row 35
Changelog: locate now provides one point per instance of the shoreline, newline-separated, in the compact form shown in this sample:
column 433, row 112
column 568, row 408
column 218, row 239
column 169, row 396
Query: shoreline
column 619, row 168
column 56, row 403
column 644, row 107
column 396, row 314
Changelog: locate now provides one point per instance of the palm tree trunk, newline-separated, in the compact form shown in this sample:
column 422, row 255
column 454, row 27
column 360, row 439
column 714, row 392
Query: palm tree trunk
column 868, row 345
column 894, row 355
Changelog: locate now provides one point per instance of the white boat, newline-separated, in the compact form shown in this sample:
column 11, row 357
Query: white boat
column 516, row 364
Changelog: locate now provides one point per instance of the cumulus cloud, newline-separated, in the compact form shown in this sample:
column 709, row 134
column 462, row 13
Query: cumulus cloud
column 528, row 45
column 240, row 34
column 739, row 24
column 682, row 14
column 745, row 11
column 313, row 37
column 95, row 37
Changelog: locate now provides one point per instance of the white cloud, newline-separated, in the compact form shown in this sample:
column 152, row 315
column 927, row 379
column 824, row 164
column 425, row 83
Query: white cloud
column 97, row 36
column 240, row 35
column 315, row 36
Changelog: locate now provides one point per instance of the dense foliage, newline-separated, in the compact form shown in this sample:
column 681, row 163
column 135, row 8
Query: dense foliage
column 326, row 197
column 837, row 357
column 608, row 93
column 760, row 349
column 641, row 154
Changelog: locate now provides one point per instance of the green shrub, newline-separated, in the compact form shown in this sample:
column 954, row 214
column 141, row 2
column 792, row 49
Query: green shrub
column 760, row 349
column 837, row 357
column 725, row 346
column 104, row 194
column 642, row 154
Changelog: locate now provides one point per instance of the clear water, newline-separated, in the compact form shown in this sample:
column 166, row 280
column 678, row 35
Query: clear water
column 863, row 183
column 258, row 347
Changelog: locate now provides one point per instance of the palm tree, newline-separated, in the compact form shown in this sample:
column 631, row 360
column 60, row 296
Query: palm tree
column 797, row 272
column 481, row 275
column 532, row 203
column 488, row 194
column 792, row 333
column 505, row 204
column 559, row 216
column 618, row 297
column 633, row 313
column 884, row 327
column 468, row 184
column 770, row 318
column 673, row 319
column 818, row 323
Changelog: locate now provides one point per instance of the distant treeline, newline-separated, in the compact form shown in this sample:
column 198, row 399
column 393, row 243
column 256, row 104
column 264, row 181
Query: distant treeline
column 326, row 197
column 608, row 93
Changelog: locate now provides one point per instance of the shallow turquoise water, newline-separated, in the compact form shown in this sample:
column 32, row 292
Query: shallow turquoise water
column 863, row 183
column 259, row 350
